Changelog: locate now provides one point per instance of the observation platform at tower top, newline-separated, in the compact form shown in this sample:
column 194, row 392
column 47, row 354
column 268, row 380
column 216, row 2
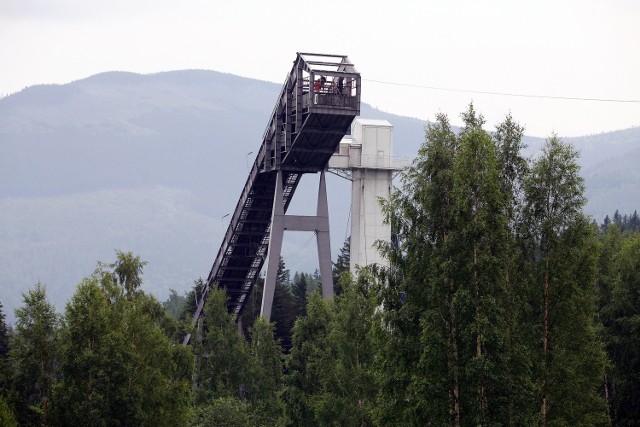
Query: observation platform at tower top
column 318, row 101
column 317, row 104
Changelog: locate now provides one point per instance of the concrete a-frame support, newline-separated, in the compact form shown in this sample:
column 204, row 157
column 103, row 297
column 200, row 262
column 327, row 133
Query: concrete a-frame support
column 281, row 222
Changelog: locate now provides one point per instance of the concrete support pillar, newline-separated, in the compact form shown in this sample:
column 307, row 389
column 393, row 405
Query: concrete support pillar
column 319, row 224
column 275, row 246
column 322, row 238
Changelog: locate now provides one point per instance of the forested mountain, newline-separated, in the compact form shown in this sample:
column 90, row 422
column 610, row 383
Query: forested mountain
column 502, row 304
column 153, row 163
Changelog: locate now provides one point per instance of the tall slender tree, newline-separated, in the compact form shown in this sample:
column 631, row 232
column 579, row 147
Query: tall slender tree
column 563, row 253
column 33, row 357
column 419, row 365
column 516, row 383
column 304, row 364
column 341, row 265
column 346, row 393
column 299, row 290
column 221, row 353
column 478, row 241
column 4, row 355
column 266, row 382
column 283, row 311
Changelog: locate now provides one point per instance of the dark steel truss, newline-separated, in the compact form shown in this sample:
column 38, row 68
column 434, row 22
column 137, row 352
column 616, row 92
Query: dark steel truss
column 315, row 108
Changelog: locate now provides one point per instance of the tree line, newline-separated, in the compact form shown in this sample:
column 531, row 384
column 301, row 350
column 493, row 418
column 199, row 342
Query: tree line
column 502, row 304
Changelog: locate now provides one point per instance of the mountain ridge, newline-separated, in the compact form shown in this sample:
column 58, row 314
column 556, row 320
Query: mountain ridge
column 153, row 162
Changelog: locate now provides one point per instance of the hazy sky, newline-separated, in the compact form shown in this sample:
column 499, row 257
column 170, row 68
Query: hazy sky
column 558, row 48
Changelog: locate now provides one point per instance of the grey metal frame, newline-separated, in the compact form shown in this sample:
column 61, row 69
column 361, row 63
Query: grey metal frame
column 305, row 128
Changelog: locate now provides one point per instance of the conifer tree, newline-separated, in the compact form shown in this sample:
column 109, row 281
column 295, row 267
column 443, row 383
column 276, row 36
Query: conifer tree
column 283, row 311
column 341, row 265
column 620, row 297
column 33, row 357
column 267, row 366
column 309, row 356
column 634, row 222
column 346, row 393
column 300, row 294
column 221, row 353
column 617, row 218
column 4, row 355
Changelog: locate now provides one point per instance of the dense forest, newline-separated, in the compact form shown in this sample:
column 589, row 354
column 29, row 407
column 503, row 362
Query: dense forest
column 502, row 304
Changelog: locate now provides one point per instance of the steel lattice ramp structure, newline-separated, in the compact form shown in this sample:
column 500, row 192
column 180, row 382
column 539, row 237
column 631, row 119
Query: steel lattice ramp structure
column 315, row 108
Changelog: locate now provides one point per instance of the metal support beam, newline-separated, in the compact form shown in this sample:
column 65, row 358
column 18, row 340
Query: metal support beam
column 302, row 118
column 281, row 222
column 323, row 239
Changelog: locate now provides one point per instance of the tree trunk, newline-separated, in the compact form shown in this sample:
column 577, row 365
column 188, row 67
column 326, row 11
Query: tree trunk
column 509, row 307
column 454, row 388
column 545, row 348
column 482, row 386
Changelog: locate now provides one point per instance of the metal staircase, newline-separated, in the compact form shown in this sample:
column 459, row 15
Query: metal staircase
column 315, row 108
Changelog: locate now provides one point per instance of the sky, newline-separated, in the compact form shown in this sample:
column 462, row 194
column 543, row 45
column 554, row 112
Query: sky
column 416, row 58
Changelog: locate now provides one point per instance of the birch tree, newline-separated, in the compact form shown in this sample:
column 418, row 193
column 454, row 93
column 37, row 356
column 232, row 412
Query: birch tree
column 570, row 362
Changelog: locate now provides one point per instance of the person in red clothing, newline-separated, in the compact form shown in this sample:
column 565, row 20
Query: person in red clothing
column 319, row 84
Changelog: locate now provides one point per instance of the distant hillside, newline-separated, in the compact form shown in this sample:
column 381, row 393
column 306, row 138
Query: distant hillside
column 153, row 163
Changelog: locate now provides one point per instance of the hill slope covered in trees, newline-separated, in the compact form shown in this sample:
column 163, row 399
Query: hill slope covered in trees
column 153, row 163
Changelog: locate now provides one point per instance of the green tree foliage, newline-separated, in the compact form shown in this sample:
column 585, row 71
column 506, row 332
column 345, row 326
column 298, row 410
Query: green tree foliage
column 493, row 261
column 341, row 265
column 266, row 376
column 283, row 310
column 624, row 222
column 4, row 355
column 512, row 166
column 233, row 376
column 118, row 365
column 222, row 412
column 185, row 318
column 299, row 289
column 516, row 382
column 32, row 353
column 570, row 363
column 221, row 352
column 620, row 299
column 252, row 307
column 128, row 270
column 4, row 335
column 306, row 361
column 419, row 289
column 477, row 243
column 329, row 377
column 347, row 391
column 175, row 304
column 7, row 419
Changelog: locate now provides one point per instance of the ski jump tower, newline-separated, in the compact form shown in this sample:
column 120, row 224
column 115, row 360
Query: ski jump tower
column 367, row 157
column 315, row 108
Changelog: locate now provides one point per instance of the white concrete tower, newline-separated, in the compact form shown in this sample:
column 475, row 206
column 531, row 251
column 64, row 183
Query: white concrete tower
column 368, row 155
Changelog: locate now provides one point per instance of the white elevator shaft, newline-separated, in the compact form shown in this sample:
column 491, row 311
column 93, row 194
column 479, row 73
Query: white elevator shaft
column 368, row 156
